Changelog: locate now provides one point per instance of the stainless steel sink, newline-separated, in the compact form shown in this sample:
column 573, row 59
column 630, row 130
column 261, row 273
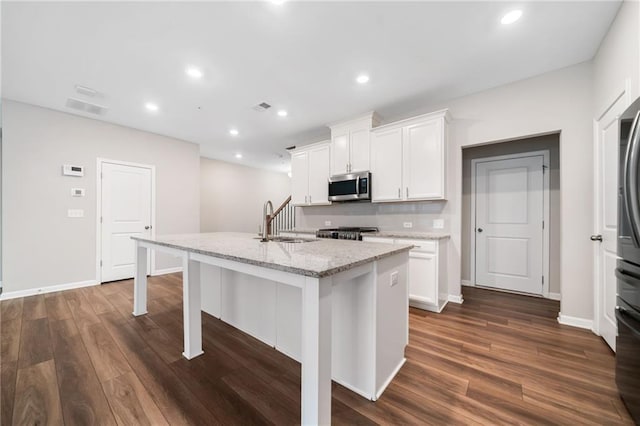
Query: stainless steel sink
column 287, row 240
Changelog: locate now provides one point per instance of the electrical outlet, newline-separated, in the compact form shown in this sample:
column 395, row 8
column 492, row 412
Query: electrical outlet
column 394, row 278
column 77, row 192
column 438, row 224
column 327, row 223
column 408, row 224
column 75, row 213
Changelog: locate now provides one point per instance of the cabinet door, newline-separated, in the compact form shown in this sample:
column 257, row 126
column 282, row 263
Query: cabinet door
column 423, row 277
column 299, row 178
column 359, row 155
column 339, row 152
column 386, row 165
column 424, row 161
column 319, row 175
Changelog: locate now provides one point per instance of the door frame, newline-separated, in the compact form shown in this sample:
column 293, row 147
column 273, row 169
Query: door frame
column 99, row 162
column 545, row 201
column 623, row 92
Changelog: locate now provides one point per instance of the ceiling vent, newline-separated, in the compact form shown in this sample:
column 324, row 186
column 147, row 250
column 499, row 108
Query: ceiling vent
column 86, row 106
column 262, row 107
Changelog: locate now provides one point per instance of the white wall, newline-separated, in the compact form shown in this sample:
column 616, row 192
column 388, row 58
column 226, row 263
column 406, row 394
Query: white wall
column 617, row 62
column 42, row 247
column 232, row 196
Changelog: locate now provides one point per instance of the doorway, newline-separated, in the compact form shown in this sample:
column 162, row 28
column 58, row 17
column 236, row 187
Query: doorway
column 511, row 216
column 126, row 208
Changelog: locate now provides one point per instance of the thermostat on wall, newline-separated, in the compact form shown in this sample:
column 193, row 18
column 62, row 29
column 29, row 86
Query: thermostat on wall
column 69, row 170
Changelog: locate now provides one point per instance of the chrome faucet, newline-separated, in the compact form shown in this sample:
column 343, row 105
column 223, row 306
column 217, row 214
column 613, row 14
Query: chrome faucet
column 266, row 220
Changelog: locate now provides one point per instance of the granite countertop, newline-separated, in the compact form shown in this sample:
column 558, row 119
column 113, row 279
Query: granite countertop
column 316, row 258
column 386, row 234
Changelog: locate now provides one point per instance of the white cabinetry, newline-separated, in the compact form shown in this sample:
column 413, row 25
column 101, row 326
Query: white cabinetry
column 310, row 175
column 408, row 159
column 428, row 287
column 350, row 145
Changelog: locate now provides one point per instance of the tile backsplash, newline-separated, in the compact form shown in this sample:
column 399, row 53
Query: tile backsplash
column 386, row 216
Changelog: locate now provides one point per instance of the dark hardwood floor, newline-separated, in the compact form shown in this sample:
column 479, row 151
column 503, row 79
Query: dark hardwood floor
column 79, row 357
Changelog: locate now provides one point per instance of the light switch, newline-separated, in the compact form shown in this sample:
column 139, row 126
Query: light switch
column 327, row 223
column 438, row 224
column 408, row 224
column 75, row 213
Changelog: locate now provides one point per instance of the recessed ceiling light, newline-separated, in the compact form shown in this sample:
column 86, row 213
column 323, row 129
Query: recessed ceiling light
column 362, row 79
column 511, row 17
column 238, row 156
column 234, row 132
column 277, row 2
column 151, row 106
column 194, row 72
column 282, row 113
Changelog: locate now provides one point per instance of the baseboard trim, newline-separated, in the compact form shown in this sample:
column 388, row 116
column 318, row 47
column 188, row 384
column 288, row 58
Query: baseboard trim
column 166, row 271
column 49, row 289
column 455, row 298
column 388, row 381
column 575, row 321
column 467, row 283
column 554, row 296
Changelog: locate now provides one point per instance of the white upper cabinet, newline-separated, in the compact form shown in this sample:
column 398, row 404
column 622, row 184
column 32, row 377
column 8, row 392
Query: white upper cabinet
column 310, row 175
column 350, row 145
column 386, row 165
column 408, row 159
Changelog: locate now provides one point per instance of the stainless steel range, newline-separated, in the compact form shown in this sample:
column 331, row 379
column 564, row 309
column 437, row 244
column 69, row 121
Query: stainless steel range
column 345, row 233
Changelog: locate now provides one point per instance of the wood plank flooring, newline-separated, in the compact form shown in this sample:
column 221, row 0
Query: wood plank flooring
column 80, row 357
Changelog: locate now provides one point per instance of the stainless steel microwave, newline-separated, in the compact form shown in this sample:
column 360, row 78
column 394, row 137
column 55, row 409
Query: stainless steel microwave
column 350, row 187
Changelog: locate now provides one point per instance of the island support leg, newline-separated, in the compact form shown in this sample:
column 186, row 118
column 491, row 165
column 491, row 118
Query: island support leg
column 140, row 281
column 192, row 314
column 316, row 351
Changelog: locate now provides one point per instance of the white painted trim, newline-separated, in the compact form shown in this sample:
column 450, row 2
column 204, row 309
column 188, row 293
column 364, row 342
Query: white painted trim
column 575, row 321
column 166, row 271
column 624, row 91
column 99, row 162
column 546, row 212
column 48, row 289
column 388, row 381
column 554, row 296
column 455, row 298
column 467, row 283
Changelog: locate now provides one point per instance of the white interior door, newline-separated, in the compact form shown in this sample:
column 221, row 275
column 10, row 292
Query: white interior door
column 126, row 212
column 606, row 182
column 509, row 224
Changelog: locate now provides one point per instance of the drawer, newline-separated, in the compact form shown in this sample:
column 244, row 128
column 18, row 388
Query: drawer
column 421, row 245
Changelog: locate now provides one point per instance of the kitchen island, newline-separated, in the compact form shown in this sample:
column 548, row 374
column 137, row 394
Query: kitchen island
column 349, row 299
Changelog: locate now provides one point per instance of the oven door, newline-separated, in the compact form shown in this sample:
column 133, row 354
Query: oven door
column 628, row 358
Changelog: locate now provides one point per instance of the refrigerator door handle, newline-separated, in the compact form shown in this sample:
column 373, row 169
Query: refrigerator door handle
column 630, row 182
column 629, row 279
column 621, row 317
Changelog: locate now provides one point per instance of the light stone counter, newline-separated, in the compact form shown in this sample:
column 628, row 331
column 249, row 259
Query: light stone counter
column 315, row 258
column 384, row 234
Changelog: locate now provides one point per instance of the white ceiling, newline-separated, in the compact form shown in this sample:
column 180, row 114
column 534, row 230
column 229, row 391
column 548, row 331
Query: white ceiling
column 301, row 56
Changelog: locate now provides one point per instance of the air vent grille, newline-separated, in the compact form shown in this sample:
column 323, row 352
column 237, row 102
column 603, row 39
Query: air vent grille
column 261, row 107
column 86, row 106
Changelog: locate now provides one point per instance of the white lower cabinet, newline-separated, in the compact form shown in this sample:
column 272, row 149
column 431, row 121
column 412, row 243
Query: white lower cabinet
column 428, row 286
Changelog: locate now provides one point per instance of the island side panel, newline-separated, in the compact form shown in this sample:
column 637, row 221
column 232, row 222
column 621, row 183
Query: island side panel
column 392, row 317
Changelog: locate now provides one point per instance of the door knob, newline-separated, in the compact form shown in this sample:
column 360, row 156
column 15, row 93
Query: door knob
column 480, row 229
column 596, row 238
column 147, row 227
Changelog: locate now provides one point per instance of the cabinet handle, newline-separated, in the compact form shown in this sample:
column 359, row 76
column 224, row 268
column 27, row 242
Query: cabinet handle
column 305, row 199
column 309, row 199
column 399, row 193
column 407, row 192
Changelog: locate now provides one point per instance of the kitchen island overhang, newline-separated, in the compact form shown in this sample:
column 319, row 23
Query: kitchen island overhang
column 351, row 299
